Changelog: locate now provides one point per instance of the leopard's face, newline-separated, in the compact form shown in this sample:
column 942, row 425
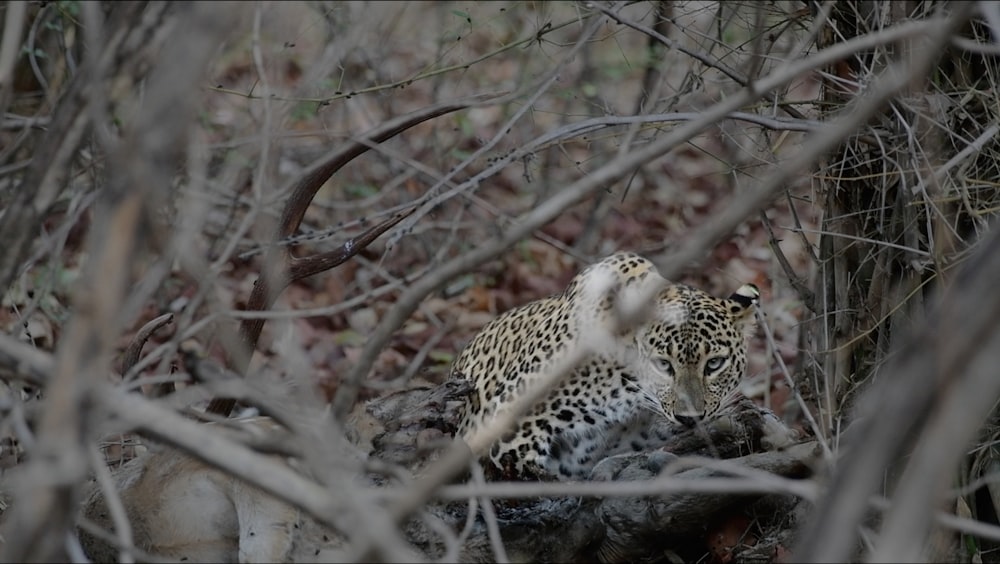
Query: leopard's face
column 695, row 350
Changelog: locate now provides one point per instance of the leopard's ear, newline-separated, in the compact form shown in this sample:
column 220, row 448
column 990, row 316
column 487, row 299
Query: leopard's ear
column 743, row 300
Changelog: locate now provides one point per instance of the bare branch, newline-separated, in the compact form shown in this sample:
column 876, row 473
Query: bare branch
column 709, row 62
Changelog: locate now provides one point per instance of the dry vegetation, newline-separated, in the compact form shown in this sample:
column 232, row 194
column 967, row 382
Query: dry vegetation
column 354, row 189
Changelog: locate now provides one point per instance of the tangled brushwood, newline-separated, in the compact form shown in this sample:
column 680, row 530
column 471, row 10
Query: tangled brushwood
column 660, row 281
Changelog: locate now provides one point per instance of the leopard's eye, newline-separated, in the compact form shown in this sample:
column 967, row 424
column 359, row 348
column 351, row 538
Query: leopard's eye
column 714, row 364
column 665, row 365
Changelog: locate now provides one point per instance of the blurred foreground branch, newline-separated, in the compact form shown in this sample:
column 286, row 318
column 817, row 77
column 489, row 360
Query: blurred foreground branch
column 935, row 394
column 48, row 484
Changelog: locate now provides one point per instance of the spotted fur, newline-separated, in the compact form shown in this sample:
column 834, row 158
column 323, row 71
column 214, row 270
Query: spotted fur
column 681, row 363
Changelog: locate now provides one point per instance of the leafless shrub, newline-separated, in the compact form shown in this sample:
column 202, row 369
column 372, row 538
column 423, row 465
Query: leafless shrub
column 161, row 159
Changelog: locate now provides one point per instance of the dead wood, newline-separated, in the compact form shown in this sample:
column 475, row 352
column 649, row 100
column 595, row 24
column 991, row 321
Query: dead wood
column 641, row 522
column 629, row 528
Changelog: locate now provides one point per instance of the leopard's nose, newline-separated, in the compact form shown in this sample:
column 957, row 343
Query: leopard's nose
column 688, row 420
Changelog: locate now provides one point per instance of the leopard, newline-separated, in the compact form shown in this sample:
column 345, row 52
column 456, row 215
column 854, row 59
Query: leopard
column 680, row 363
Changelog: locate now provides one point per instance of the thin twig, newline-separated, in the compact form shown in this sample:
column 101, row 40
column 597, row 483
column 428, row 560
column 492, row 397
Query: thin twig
column 535, row 36
column 816, row 429
column 704, row 59
column 489, row 516
column 123, row 528
column 428, row 202
column 806, row 295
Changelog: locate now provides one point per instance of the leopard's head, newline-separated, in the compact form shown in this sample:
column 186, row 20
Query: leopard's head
column 695, row 349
